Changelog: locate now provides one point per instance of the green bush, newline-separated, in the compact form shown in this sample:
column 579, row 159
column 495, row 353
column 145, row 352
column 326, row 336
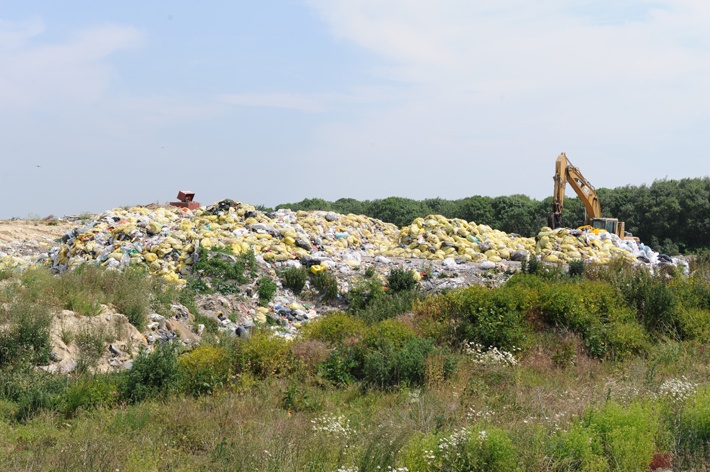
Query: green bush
column 153, row 375
column 267, row 289
column 364, row 292
column 89, row 392
column 340, row 365
column 390, row 354
column 203, row 369
column 576, row 268
column 627, row 433
column 334, row 327
column 694, row 430
column 262, row 355
column 653, row 299
column 294, row 278
column 92, row 342
column 694, row 324
column 26, row 337
column 389, row 306
column 493, row 318
column 400, row 280
column 31, row 390
column 390, row 364
column 463, row 450
column 326, row 284
column 220, row 270
column 578, row 449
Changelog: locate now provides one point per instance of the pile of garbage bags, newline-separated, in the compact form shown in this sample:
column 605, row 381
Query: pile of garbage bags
column 436, row 237
column 168, row 240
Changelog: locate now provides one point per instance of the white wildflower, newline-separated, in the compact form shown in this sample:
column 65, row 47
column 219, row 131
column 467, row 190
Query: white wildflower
column 677, row 389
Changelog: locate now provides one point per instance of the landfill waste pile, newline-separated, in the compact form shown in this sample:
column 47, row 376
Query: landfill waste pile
column 564, row 245
column 173, row 243
column 168, row 240
column 436, row 237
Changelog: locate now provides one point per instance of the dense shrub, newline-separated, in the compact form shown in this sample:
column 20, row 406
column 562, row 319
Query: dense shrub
column 463, row 450
column 326, row 284
column 390, row 364
column 694, row 431
column 364, row 292
column 90, row 392
column 220, row 270
column 267, row 289
column 261, row 355
column 493, row 318
column 26, row 337
column 294, row 278
column 694, row 324
column 31, row 390
column 626, row 433
column 389, row 306
column 653, row 299
column 579, row 448
column 154, row 374
column 203, row 369
column 400, row 280
column 333, row 328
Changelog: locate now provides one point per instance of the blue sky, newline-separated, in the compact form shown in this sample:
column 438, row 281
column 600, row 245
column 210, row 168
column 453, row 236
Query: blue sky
column 106, row 104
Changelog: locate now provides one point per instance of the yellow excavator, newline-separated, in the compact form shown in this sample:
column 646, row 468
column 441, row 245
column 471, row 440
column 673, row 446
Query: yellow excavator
column 566, row 173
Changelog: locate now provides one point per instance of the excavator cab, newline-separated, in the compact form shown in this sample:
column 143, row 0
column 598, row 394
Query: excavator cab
column 608, row 224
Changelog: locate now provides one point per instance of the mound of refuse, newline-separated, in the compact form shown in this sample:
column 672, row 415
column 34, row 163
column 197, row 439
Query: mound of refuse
column 564, row 245
column 436, row 237
column 168, row 240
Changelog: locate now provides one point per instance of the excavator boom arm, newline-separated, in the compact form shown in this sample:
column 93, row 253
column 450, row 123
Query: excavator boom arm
column 566, row 173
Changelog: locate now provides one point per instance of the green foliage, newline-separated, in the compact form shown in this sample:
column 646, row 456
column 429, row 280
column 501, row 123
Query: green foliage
column 653, row 299
column 364, row 292
column 592, row 310
column 389, row 363
column 463, row 450
column 153, row 375
column 694, row 428
column 493, row 318
column 89, row 392
column 262, row 355
column 326, row 284
column 579, row 449
column 334, row 328
column 204, row 369
column 26, row 337
column 400, row 280
column 32, row 390
column 340, row 365
column 294, row 278
column 297, row 398
column 219, row 270
column 266, row 290
column 92, row 342
column 627, row 433
column 576, row 268
column 531, row 265
column 389, row 306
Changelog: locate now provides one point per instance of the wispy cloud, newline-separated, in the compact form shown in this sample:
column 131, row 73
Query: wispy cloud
column 273, row 100
column 75, row 69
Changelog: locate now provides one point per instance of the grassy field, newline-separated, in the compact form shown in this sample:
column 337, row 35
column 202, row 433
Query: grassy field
column 597, row 369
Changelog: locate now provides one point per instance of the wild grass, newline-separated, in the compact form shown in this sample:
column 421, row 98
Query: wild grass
column 543, row 374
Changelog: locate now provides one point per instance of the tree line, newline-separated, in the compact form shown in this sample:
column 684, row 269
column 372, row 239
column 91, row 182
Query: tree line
column 671, row 216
